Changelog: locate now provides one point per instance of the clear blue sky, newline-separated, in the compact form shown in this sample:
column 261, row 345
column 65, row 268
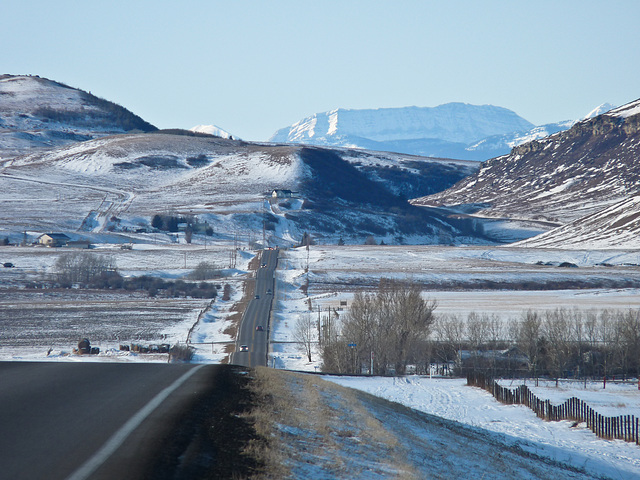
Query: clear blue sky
column 252, row 67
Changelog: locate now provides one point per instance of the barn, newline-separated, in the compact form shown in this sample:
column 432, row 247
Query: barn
column 53, row 239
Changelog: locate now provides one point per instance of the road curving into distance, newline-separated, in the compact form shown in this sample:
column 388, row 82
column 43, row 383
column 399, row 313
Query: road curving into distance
column 254, row 328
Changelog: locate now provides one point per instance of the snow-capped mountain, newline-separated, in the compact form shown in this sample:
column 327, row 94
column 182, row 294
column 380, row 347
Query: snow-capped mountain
column 213, row 130
column 599, row 110
column 499, row 145
column 571, row 176
column 442, row 131
column 453, row 130
column 118, row 183
column 38, row 113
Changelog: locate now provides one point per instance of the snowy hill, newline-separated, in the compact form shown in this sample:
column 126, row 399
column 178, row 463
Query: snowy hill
column 586, row 175
column 37, row 113
column 617, row 226
column 119, row 183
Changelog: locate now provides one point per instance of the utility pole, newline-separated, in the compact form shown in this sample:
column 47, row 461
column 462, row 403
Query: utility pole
column 319, row 333
column 264, row 222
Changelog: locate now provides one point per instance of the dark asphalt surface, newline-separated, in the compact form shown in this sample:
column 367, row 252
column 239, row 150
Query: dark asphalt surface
column 54, row 417
column 257, row 314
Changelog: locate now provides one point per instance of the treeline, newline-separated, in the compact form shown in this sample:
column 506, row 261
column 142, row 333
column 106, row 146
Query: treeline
column 169, row 223
column 567, row 343
column 387, row 331
column 88, row 270
column 104, row 113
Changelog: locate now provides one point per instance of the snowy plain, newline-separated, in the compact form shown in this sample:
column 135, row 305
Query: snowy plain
column 335, row 274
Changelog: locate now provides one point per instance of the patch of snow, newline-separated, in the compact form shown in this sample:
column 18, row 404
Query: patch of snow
column 212, row 130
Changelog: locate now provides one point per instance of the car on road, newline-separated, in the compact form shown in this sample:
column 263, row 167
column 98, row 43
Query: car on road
column 269, row 292
column 257, row 297
column 259, row 328
column 8, row 265
column 244, row 348
column 263, row 265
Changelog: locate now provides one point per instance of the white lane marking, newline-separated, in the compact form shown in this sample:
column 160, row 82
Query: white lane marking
column 118, row 438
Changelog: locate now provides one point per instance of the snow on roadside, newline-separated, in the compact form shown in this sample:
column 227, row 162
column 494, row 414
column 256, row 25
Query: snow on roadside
column 517, row 424
column 209, row 336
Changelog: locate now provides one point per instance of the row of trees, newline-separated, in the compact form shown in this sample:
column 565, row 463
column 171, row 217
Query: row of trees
column 91, row 270
column 381, row 331
column 557, row 343
column 395, row 327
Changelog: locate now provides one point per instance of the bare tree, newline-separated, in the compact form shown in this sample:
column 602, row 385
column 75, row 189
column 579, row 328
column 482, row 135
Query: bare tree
column 556, row 328
column 383, row 330
column 82, row 268
column 528, row 338
column 451, row 332
column 304, row 333
column 205, row 271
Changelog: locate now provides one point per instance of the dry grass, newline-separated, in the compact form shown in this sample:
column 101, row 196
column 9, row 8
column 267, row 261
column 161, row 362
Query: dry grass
column 309, row 421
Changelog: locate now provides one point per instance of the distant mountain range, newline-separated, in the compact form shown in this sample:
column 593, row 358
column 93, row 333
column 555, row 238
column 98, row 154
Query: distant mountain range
column 452, row 130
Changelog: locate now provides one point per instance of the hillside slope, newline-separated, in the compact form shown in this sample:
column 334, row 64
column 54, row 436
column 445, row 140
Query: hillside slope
column 561, row 178
column 309, row 428
column 118, row 183
column 617, row 226
column 37, row 113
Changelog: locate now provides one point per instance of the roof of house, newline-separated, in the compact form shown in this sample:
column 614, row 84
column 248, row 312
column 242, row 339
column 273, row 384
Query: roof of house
column 57, row 236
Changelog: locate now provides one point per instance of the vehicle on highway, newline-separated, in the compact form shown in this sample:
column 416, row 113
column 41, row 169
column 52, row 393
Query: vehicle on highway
column 269, row 292
column 8, row 265
column 259, row 328
column 257, row 297
column 263, row 265
column 244, row 348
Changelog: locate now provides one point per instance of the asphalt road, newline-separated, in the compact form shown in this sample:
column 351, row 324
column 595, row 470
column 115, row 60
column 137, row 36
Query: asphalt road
column 92, row 420
column 257, row 315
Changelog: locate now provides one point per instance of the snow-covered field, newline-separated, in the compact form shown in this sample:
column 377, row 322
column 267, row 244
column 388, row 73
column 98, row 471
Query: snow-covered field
column 336, row 273
column 46, row 325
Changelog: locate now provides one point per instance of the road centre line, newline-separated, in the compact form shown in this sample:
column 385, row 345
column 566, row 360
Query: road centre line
column 118, row 438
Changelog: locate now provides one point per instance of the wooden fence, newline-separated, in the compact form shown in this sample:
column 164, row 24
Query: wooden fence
column 623, row 427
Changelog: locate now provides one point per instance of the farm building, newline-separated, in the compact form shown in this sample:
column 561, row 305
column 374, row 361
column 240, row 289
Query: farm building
column 281, row 194
column 79, row 244
column 53, row 239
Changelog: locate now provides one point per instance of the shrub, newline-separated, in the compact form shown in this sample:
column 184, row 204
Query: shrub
column 205, row 271
column 181, row 353
column 226, row 293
